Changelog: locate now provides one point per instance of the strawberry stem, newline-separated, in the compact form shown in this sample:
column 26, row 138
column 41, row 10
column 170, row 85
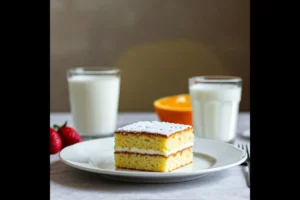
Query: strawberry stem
column 65, row 124
column 57, row 127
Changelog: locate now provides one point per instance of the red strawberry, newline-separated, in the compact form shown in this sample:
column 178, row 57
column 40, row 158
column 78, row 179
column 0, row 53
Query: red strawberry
column 68, row 135
column 55, row 141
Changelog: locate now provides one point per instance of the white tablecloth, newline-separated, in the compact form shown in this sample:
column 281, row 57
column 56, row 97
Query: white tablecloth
column 67, row 183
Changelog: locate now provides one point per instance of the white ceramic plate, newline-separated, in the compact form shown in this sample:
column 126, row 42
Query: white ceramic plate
column 98, row 156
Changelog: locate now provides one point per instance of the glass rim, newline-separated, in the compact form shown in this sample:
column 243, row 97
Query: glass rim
column 216, row 79
column 94, row 70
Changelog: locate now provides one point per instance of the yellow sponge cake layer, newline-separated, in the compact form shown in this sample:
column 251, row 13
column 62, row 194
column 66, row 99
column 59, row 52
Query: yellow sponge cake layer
column 157, row 163
column 154, row 144
column 160, row 138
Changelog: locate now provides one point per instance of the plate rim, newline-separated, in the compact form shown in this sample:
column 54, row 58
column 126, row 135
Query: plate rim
column 154, row 174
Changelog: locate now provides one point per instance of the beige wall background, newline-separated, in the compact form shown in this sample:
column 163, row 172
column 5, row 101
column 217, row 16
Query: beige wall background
column 158, row 44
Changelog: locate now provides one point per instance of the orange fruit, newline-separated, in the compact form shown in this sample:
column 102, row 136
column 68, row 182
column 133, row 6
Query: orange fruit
column 174, row 109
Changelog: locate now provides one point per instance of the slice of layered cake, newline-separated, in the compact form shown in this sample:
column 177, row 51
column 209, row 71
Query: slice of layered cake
column 153, row 146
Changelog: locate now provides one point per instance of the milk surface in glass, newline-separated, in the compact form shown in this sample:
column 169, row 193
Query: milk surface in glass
column 94, row 100
column 215, row 106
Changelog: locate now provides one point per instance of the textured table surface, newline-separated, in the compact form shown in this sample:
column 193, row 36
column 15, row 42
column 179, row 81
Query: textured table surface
column 67, row 183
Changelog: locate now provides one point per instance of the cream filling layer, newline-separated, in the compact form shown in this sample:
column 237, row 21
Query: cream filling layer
column 143, row 151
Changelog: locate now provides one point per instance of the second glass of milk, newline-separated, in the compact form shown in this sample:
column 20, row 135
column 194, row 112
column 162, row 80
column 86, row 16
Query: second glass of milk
column 215, row 106
column 94, row 100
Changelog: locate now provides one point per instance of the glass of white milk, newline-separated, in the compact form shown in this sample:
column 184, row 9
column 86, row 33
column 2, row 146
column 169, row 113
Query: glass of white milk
column 215, row 106
column 94, row 100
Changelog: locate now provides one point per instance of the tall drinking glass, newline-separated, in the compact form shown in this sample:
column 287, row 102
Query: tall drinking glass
column 215, row 106
column 94, row 100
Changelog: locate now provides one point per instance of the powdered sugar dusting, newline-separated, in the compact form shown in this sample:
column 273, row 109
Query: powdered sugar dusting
column 154, row 127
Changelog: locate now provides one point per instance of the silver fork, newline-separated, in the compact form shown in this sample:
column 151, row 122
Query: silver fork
column 245, row 147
